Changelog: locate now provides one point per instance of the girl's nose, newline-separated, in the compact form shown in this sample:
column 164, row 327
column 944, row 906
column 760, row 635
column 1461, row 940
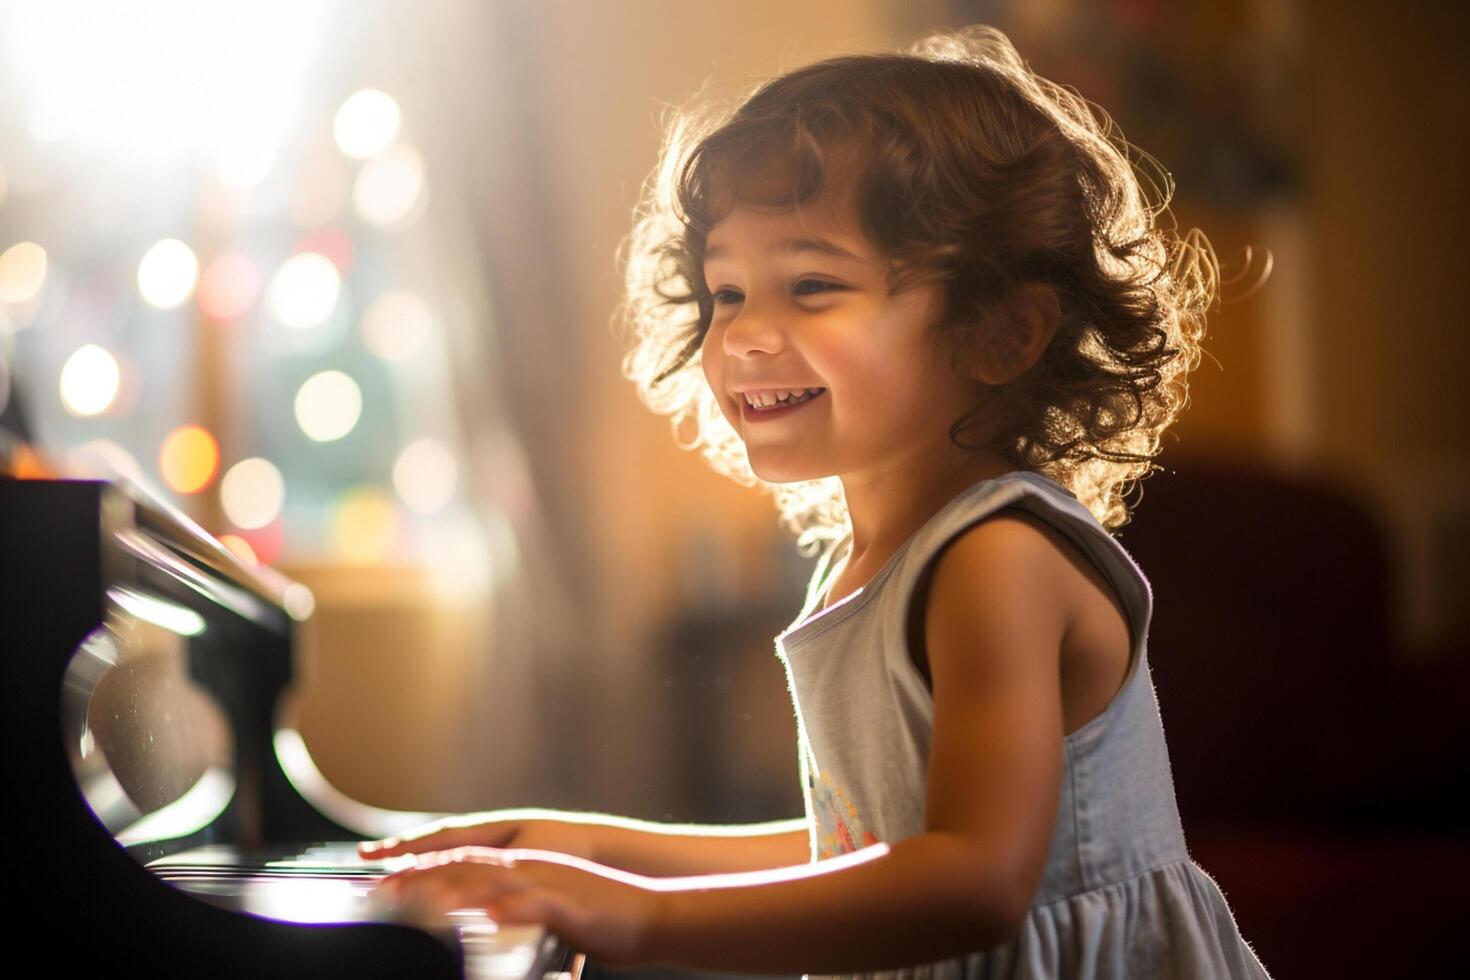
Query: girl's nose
column 751, row 333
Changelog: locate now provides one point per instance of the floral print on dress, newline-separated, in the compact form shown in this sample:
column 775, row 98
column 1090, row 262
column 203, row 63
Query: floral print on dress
column 839, row 828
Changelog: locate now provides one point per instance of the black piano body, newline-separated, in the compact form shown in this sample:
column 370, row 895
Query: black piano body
column 150, row 821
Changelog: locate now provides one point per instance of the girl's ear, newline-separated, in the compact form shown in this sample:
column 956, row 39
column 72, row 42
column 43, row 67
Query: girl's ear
column 1012, row 336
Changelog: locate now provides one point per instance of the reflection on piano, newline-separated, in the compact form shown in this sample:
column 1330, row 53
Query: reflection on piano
column 157, row 809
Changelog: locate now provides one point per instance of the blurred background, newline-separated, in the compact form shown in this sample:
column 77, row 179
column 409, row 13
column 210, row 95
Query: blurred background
column 338, row 280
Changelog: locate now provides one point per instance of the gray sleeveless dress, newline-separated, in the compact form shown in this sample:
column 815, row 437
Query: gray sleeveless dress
column 1120, row 897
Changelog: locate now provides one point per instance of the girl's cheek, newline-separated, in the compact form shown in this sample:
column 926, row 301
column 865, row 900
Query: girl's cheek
column 714, row 376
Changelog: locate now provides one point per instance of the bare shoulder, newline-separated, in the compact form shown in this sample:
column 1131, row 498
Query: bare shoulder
column 1027, row 572
column 1019, row 539
column 1018, row 534
column 1004, row 575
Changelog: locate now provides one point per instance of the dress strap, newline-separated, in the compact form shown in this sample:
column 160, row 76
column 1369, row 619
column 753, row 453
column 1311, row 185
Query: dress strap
column 1051, row 502
column 1046, row 500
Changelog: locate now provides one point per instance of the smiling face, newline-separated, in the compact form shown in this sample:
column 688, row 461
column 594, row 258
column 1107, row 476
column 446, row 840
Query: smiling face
column 801, row 302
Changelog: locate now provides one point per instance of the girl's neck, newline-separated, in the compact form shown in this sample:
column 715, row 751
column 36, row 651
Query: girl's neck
column 885, row 513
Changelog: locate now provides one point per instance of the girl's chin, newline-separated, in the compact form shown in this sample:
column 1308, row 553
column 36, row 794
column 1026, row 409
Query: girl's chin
column 773, row 472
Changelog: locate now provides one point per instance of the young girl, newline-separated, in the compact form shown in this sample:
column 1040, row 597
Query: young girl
column 923, row 298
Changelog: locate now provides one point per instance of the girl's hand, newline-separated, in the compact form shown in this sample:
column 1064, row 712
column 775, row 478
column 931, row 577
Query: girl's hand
column 599, row 911
column 576, row 839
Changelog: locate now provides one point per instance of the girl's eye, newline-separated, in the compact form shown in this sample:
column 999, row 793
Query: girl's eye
column 820, row 285
column 803, row 287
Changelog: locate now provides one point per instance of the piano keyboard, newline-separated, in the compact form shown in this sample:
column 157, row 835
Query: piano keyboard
column 324, row 884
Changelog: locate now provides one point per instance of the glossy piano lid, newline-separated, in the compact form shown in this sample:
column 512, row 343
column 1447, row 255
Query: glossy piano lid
column 133, row 512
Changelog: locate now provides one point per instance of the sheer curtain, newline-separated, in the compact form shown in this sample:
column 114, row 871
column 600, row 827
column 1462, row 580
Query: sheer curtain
column 468, row 69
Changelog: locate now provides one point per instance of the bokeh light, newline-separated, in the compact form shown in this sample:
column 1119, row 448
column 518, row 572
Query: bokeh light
column 28, row 464
column 103, row 459
column 48, row 304
column 396, row 326
column 266, row 541
column 304, row 291
column 90, row 379
column 22, row 271
column 332, row 242
column 229, row 287
column 426, row 476
column 245, row 158
column 366, row 122
column 365, row 525
column 299, row 602
column 189, row 458
column 388, row 186
column 328, row 406
column 252, row 493
column 167, row 274
column 240, row 548
column 462, row 562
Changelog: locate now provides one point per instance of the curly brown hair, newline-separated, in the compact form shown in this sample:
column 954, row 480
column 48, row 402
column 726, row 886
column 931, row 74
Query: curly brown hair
column 972, row 172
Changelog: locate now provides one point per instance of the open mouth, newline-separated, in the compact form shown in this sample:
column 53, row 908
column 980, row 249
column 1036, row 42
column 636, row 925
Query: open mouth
column 787, row 403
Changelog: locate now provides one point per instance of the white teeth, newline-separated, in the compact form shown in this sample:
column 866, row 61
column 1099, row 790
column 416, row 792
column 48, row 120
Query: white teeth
column 765, row 399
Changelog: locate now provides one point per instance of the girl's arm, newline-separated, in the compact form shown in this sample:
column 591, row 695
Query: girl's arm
column 641, row 846
column 993, row 630
column 667, row 850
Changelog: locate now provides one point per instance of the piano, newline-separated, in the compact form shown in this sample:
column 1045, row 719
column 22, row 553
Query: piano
column 160, row 813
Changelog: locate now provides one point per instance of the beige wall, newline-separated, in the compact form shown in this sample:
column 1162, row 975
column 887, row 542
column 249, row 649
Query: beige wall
column 1389, row 105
